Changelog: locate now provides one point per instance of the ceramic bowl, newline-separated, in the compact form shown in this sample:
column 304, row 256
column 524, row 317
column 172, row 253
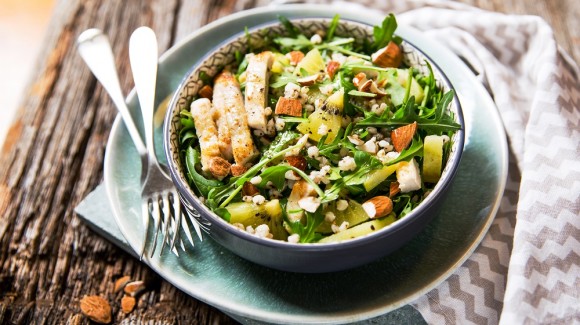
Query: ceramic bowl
column 304, row 258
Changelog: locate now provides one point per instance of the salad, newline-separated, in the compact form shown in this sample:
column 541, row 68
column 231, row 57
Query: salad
column 317, row 138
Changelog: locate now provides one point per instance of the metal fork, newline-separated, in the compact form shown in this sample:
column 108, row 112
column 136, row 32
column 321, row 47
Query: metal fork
column 158, row 192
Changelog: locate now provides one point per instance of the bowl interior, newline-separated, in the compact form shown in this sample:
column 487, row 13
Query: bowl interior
column 225, row 54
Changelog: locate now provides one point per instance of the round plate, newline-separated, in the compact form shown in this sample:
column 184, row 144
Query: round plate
column 247, row 291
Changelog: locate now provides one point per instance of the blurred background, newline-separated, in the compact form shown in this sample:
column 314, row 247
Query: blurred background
column 22, row 27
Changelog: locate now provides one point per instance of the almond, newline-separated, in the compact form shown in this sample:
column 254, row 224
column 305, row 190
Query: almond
column 331, row 68
column 309, row 80
column 359, row 80
column 206, row 92
column 219, row 167
column 128, row 304
column 96, row 308
column 394, row 189
column 121, row 282
column 389, row 56
column 289, row 106
column 378, row 207
column 402, row 136
column 295, row 57
column 237, row 170
column 249, row 189
column 297, row 161
column 134, row 288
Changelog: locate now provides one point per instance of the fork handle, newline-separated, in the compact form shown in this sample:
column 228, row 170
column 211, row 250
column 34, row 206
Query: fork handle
column 95, row 49
column 143, row 54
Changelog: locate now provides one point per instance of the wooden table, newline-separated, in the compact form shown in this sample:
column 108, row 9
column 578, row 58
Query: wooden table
column 53, row 156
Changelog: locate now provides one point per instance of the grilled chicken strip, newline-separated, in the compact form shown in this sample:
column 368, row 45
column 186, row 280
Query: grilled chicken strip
column 207, row 133
column 257, row 75
column 228, row 101
column 224, row 134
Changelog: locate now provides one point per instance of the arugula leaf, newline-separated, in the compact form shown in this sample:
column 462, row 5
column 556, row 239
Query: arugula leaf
column 203, row 185
column 383, row 34
column 434, row 122
column 414, row 150
column 294, row 43
column 332, row 27
column 281, row 80
column 307, row 231
column 290, row 28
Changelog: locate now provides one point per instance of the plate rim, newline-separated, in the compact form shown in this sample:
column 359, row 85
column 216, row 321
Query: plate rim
column 262, row 315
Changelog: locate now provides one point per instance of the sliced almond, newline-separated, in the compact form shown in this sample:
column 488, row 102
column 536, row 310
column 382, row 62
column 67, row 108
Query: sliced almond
column 297, row 161
column 96, row 308
column 289, row 106
column 134, row 288
column 378, row 207
column 401, row 137
column 366, row 86
column 206, row 92
column 237, row 170
column 394, row 189
column 309, row 80
column 295, row 57
column 359, row 79
column 376, row 90
column 128, row 304
column 121, row 282
column 219, row 167
column 389, row 56
column 331, row 68
column 249, row 189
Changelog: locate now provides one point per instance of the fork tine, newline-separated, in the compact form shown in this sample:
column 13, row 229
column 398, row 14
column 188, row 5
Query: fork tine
column 195, row 225
column 157, row 221
column 145, row 214
column 167, row 222
column 186, row 230
column 176, row 217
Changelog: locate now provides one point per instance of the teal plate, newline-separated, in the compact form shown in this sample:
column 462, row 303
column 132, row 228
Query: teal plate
column 252, row 293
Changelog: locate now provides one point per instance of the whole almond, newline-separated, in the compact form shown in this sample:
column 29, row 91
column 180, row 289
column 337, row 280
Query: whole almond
column 249, row 189
column 331, row 68
column 389, row 56
column 394, row 189
column 134, row 288
column 297, row 162
column 402, row 136
column 96, row 308
column 295, row 57
column 128, row 304
column 121, row 282
column 378, row 207
column 206, row 92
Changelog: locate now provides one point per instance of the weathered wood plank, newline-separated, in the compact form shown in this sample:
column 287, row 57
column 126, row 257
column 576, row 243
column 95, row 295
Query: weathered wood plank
column 53, row 157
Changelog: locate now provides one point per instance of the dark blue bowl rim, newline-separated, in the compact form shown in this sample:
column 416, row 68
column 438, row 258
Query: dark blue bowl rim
column 414, row 216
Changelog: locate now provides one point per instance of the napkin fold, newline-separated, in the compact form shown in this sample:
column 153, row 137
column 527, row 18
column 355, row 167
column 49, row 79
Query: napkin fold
column 527, row 268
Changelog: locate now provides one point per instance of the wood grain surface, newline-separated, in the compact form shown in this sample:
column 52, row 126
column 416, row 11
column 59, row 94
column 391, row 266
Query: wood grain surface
column 53, row 158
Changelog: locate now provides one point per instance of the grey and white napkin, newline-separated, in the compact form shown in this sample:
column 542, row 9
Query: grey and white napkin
column 527, row 268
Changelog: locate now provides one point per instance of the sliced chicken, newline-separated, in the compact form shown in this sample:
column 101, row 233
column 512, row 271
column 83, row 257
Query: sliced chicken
column 228, row 101
column 207, row 133
column 224, row 134
column 256, row 102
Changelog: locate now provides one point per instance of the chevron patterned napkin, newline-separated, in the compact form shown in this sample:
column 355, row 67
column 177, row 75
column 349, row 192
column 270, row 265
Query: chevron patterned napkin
column 527, row 269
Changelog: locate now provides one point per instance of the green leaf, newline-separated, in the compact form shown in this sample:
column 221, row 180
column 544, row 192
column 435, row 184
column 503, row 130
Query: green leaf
column 383, row 34
column 290, row 28
column 414, row 150
column 294, row 43
column 332, row 27
column 203, row 185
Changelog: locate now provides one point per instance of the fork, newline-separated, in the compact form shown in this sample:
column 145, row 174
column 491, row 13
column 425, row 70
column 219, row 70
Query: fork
column 158, row 192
